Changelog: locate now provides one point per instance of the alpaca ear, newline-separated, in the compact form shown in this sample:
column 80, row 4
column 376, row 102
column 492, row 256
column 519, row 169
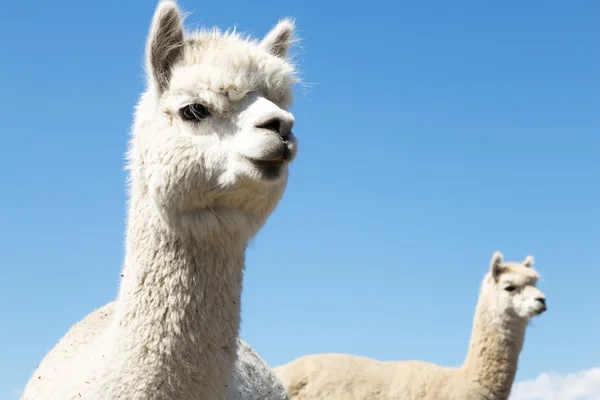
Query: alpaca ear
column 279, row 39
column 528, row 261
column 165, row 43
column 496, row 265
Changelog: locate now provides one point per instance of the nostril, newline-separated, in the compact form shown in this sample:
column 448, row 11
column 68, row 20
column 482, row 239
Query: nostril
column 541, row 300
column 280, row 126
column 271, row 125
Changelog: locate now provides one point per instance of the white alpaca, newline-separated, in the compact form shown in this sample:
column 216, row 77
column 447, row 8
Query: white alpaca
column 508, row 299
column 208, row 163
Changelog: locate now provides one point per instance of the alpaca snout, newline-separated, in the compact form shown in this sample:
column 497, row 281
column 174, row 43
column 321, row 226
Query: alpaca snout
column 542, row 301
column 280, row 124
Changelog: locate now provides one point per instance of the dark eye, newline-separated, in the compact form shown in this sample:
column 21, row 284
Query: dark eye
column 194, row 111
column 510, row 288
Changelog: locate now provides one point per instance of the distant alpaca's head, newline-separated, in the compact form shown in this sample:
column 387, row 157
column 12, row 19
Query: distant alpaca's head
column 212, row 131
column 510, row 288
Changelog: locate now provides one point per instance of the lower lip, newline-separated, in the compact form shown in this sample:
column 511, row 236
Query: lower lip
column 268, row 162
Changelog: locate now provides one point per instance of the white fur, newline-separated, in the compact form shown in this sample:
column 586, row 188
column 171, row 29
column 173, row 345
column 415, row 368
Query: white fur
column 199, row 191
column 488, row 372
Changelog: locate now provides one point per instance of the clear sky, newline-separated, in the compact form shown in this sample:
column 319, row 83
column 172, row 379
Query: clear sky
column 431, row 134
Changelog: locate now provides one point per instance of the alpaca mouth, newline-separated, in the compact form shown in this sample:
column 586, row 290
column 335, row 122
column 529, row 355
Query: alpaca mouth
column 269, row 162
column 540, row 310
column 287, row 152
column 283, row 155
column 270, row 166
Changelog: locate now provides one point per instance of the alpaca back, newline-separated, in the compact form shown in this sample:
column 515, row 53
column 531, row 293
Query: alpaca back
column 333, row 376
column 78, row 354
column 348, row 377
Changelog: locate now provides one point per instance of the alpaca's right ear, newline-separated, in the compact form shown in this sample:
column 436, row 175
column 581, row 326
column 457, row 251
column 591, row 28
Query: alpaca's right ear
column 165, row 43
column 279, row 39
column 528, row 262
column 496, row 265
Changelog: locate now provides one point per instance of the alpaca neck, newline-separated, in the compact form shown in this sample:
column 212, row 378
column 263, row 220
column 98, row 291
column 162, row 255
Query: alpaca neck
column 496, row 342
column 178, row 309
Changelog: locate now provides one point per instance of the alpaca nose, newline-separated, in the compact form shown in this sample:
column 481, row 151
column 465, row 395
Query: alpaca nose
column 280, row 125
column 541, row 300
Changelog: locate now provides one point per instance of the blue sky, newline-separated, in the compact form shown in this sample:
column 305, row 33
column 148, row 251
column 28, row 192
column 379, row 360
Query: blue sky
column 431, row 134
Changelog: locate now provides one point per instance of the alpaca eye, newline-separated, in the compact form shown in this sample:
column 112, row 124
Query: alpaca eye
column 194, row 111
column 510, row 288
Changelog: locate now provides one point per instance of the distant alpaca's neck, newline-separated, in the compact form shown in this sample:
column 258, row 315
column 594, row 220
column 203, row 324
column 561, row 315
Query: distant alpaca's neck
column 496, row 342
column 178, row 309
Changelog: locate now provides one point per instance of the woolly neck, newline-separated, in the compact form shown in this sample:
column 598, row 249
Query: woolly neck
column 496, row 343
column 178, row 310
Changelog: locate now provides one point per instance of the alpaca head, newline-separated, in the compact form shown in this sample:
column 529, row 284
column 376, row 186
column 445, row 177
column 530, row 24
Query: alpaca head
column 212, row 131
column 511, row 288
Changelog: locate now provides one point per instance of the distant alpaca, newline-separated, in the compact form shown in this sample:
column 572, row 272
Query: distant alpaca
column 507, row 301
column 208, row 163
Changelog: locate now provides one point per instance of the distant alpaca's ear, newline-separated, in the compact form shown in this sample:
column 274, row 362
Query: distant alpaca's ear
column 280, row 38
column 165, row 43
column 496, row 265
column 528, row 261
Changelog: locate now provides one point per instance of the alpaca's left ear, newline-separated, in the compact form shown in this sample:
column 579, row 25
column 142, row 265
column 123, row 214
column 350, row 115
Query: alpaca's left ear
column 279, row 40
column 165, row 43
column 496, row 265
column 528, row 261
